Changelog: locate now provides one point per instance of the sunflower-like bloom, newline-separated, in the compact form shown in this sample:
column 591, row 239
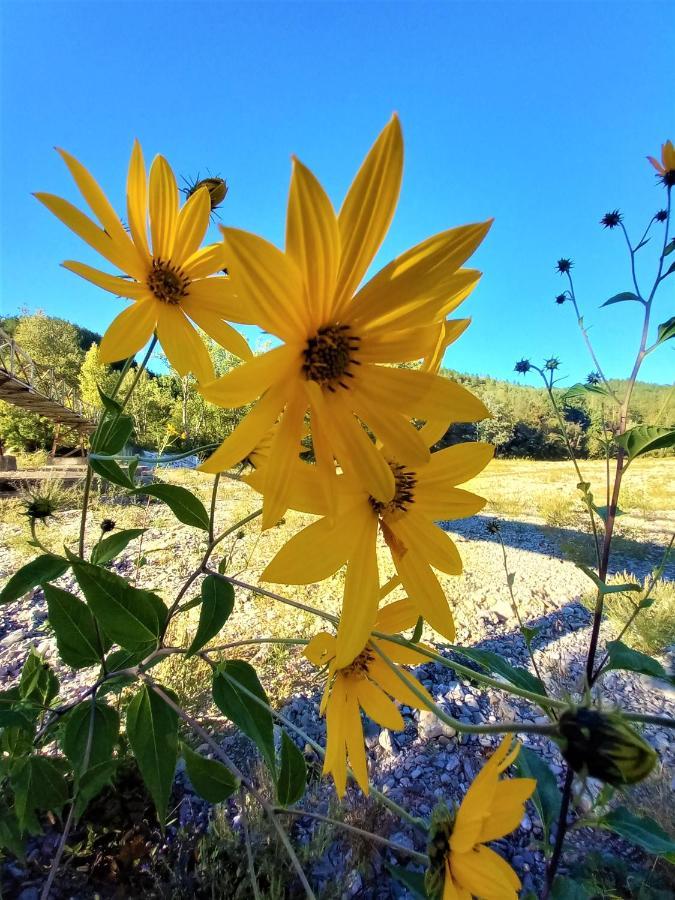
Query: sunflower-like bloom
column 423, row 495
column 337, row 340
column 666, row 167
column 366, row 684
column 166, row 275
column 491, row 808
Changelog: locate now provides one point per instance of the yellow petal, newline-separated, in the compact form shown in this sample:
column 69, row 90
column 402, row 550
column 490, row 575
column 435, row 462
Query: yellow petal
column 247, row 382
column 485, row 874
column 313, row 241
column 396, row 617
column 456, row 464
column 269, row 284
column 404, row 656
column 121, row 287
column 100, row 206
column 507, row 808
column 446, row 503
column 397, row 346
column 335, row 761
column 305, row 492
column 361, row 594
column 217, row 295
column 368, row 210
column 283, row 460
column 163, row 208
column 447, row 333
column 137, row 199
column 429, row 541
column 218, row 329
column 321, row 649
column 451, row 890
column 205, row 261
column 247, row 434
column 193, row 220
column 355, row 743
column 377, row 706
column 86, row 229
column 401, row 440
column 128, row 332
column 314, row 553
column 184, row 348
column 425, row 592
column 389, row 681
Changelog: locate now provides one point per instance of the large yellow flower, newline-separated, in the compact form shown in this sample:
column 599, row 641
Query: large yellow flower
column 336, row 339
column 423, row 495
column 167, row 276
column 491, row 808
column 366, row 684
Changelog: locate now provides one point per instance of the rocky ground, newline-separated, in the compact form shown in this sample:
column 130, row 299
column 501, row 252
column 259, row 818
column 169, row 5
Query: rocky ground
column 427, row 762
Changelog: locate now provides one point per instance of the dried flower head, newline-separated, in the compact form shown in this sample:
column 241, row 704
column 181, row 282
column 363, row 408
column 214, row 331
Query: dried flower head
column 560, row 299
column 611, row 219
column 552, row 364
column 593, row 378
column 661, row 215
column 523, row 366
column 564, row 265
column 41, row 501
column 493, row 527
column 107, row 525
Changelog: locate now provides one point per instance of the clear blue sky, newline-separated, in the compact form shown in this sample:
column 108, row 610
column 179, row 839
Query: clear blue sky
column 539, row 114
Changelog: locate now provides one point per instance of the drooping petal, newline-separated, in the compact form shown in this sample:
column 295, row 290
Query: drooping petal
column 247, row 434
column 269, row 284
column 507, row 808
column 184, row 348
column 315, row 553
column 451, row 890
column 193, row 220
column 121, row 287
column 397, row 653
column 313, row 241
column 397, row 616
column 355, row 742
column 128, row 332
column 163, row 208
column 100, row 206
column 218, row 329
column 283, row 459
column 425, row 592
column 247, row 382
column 335, row 760
column 401, row 440
column 361, row 593
column 377, row 706
column 368, row 210
column 429, row 541
column 485, row 874
column 320, row 649
column 389, row 681
column 137, row 200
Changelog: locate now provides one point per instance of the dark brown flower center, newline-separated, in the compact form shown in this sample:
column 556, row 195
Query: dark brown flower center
column 167, row 282
column 404, row 494
column 329, row 355
column 358, row 668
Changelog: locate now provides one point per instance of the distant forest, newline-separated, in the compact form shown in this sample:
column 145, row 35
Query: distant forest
column 168, row 411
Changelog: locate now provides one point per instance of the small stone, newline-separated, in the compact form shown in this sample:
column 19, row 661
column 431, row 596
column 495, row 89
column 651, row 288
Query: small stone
column 430, row 726
column 386, row 741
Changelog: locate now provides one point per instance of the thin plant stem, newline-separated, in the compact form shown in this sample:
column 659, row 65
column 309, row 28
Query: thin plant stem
column 587, row 340
column 560, row 833
column 647, row 719
column 249, row 851
column 374, row 838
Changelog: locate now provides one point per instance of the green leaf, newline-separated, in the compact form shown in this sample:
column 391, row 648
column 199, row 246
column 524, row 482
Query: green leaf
column 182, row 503
column 666, row 331
column 113, row 436
column 152, row 729
column 210, row 779
column 122, row 659
column 256, row 722
column 547, row 797
column 292, row 773
column 109, row 547
column 112, row 406
column 670, row 246
column 607, row 588
column 10, row 833
column 642, row 831
column 105, row 725
column 580, row 391
column 92, row 782
column 37, row 571
column 624, row 657
column 529, row 633
column 669, row 271
column 602, row 511
column 38, row 682
column 75, row 629
column 644, row 438
column 623, row 297
column 108, row 469
column 131, row 617
column 38, row 782
column 568, row 889
column 414, row 881
column 13, row 711
column 217, row 605
column 492, row 662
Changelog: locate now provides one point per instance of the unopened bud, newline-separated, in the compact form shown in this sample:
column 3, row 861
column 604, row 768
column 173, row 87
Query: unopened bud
column 216, row 187
column 604, row 746
column 107, row 525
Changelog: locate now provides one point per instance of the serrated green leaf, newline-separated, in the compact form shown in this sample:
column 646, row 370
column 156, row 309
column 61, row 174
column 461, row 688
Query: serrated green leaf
column 38, row 783
column 187, row 508
column 38, row 683
column 105, row 725
column 644, row 438
column 640, row 830
column 37, row 571
column 623, row 297
column 109, row 547
column 152, row 729
column 292, row 777
column 75, row 629
column 492, row 662
column 130, row 617
column 250, row 717
column 210, row 779
column 111, row 471
column 217, row 604
column 547, row 797
column 666, row 331
column 623, row 657
column 91, row 783
column 113, row 435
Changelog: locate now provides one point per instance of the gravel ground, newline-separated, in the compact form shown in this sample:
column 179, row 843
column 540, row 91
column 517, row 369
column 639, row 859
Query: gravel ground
column 427, row 762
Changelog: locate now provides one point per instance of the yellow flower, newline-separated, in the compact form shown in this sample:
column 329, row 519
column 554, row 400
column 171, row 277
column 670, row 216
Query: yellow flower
column 366, row 684
column 167, row 275
column 337, row 340
column 665, row 168
column 491, row 808
column 423, row 495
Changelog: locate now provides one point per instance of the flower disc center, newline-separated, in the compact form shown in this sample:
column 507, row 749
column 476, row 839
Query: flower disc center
column 328, row 356
column 404, row 491
column 167, row 282
column 358, row 668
